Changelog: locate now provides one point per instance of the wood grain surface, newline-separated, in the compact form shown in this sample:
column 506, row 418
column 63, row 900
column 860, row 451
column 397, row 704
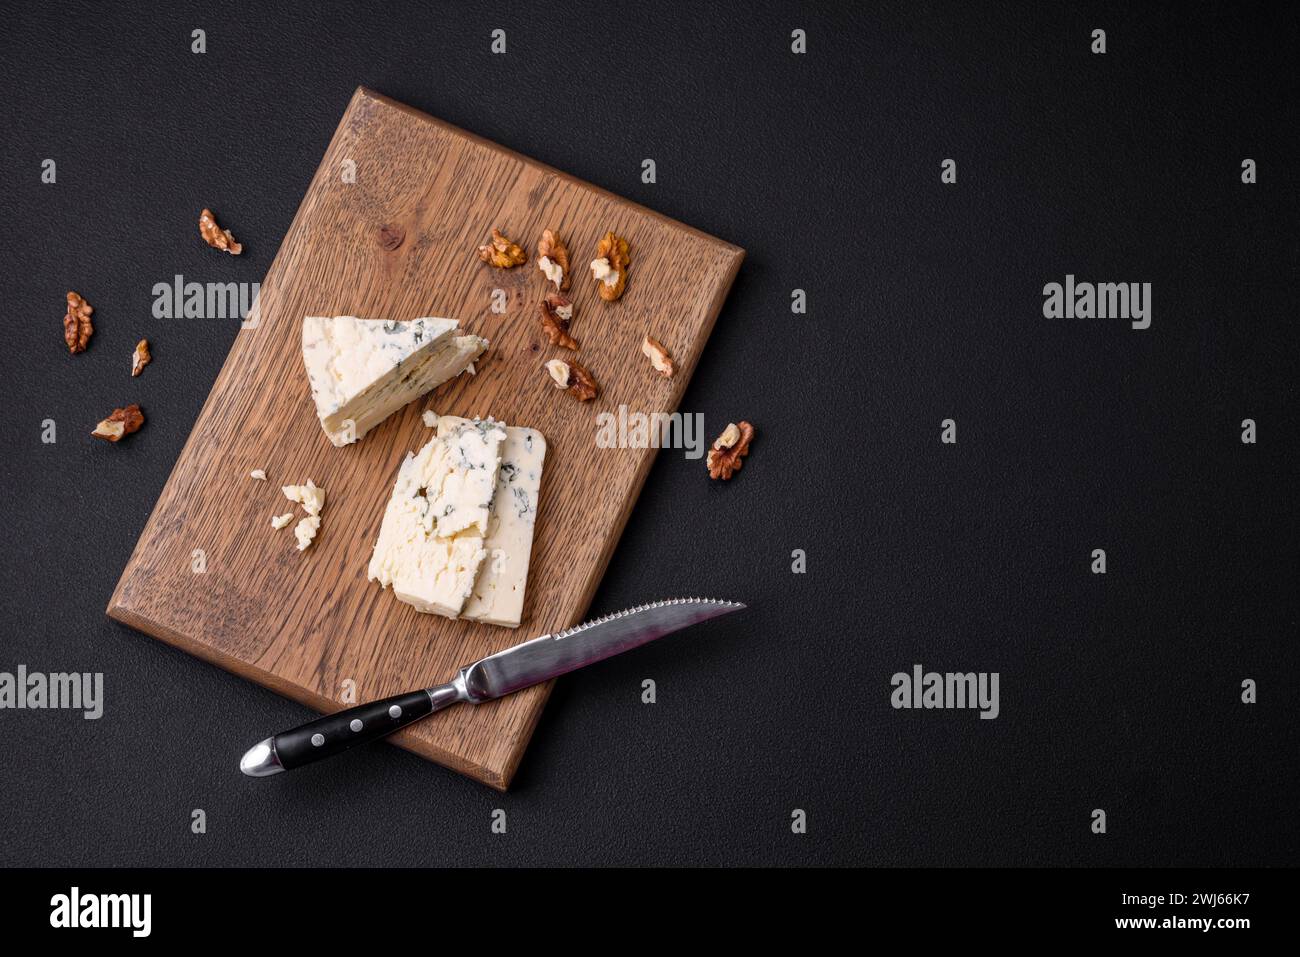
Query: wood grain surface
column 398, row 243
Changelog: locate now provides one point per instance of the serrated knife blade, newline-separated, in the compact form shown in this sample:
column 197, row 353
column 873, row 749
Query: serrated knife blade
column 521, row 666
column 553, row 655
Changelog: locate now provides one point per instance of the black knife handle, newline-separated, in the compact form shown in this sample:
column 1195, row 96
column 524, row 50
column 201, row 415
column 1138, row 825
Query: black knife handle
column 335, row 733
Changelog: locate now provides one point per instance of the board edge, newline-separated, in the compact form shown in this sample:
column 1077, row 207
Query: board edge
column 367, row 93
column 497, row 778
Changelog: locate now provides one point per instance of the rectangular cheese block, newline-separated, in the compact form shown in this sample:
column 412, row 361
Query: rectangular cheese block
column 498, row 595
column 465, row 470
column 430, row 547
column 363, row 370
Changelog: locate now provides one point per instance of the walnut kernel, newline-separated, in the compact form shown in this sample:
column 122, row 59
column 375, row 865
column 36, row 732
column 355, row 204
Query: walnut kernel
column 77, row 328
column 553, row 259
column 141, row 357
column 502, row 252
column 121, row 422
column 609, row 268
column 658, row 356
column 724, row 459
column 573, row 378
column 557, row 313
column 215, row 236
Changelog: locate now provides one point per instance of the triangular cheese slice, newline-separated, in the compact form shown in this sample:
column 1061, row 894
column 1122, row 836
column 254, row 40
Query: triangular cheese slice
column 363, row 370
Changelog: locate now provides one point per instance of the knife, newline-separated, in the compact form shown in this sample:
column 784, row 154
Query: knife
column 507, row 671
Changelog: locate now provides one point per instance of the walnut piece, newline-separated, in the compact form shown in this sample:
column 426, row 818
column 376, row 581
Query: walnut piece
column 121, row 422
column 581, row 385
column 553, row 260
column 573, row 378
column 502, row 252
column 215, row 236
column 140, row 358
column 609, row 268
column 77, row 329
column 724, row 459
column 658, row 356
column 557, row 313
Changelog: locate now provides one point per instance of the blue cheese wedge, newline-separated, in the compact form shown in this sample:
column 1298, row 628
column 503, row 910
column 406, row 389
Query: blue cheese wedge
column 361, row 371
column 498, row 594
column 430, row 547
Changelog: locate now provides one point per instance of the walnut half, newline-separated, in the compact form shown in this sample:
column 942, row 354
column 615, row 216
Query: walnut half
column 557, row 313
column 502, row 252
column 609, row 268
column 77, row 329
column 658, row 356
column 724, row 459
column 572, row 378
column 121, row 422
column 215, row 236
column 140, row 358
column 553, row 259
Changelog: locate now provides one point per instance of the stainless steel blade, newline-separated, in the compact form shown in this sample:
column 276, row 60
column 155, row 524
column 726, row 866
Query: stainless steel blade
column 553, row 655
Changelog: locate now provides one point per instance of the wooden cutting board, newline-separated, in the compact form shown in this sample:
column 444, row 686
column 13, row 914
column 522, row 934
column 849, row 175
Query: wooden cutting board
column 211, row 576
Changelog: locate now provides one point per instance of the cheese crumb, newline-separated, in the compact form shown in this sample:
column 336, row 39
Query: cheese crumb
column 430, row 418
column 552, row 270
column 258, row 474
column 306, row 530
column 601, row 269
column 559, row 371
column 311, row 498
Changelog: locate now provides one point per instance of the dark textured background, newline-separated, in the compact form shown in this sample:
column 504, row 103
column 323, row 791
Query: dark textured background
column 1118, row 691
